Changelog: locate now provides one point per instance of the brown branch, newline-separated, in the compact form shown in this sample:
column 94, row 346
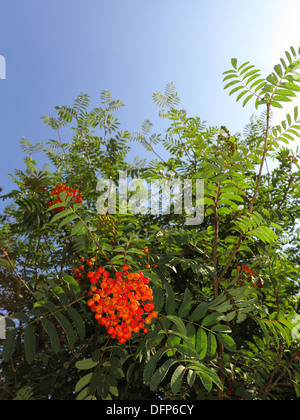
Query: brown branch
column 202, row 252
column 16, row 273
column 271, row 385
column 52, row 313
column 215, row 247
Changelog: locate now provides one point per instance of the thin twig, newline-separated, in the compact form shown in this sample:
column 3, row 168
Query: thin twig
column 262, row 160
column 16, row 273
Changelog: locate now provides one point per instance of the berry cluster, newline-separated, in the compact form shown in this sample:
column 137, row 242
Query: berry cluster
column 34, row 184
column 146, row 251
column 71, row 192
column 122, row 304
column 259, row 283
column 246, row 270
column 231, row 389
column 78, row 270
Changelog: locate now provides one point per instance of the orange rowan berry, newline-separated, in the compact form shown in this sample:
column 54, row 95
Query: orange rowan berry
column 133, row 324
column 102, row 294
column 90, row 302
column 110, row 330
column 103, row 285
column 147, row 307
column 107, row 323
column 152, row 305
column 102, row 321
column 134, row 305
column 107, row 291
column 99, row 309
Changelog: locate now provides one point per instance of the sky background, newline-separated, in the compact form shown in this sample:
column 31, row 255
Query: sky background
column 56, row 49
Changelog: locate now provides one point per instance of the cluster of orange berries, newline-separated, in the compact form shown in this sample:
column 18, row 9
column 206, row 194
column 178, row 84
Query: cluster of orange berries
column 258, row 284
column 78, row 270
column 122, row 304
column 34, row 187
column 246, row 270
column 148, row 266
column 230, row 390
column 71, row 192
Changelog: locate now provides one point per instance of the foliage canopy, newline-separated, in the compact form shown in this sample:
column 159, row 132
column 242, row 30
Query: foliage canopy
column 226, row 291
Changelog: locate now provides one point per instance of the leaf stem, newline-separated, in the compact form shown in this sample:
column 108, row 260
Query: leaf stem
column 262, row 160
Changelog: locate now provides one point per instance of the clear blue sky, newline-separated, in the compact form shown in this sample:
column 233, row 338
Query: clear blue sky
column 55, row 49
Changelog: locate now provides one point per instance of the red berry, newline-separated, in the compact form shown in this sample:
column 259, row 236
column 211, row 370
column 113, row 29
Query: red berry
column 147, row 307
